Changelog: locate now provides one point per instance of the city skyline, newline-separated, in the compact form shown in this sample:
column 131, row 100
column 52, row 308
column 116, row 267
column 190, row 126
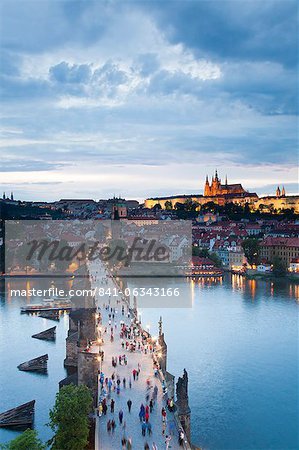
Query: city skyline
column 196, row 86
column 11, row 193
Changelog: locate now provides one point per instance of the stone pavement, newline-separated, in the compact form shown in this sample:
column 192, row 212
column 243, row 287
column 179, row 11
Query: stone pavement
column 137, row 394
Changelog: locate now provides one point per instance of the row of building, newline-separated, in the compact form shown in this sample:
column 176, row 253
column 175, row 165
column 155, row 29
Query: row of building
column 225, row 238
column 223, row 193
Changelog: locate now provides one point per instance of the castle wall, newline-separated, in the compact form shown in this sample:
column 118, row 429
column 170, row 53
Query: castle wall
column 291, row 201
column 219, row 200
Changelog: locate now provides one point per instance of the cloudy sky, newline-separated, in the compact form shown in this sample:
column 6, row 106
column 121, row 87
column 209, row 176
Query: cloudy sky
column 144, row 98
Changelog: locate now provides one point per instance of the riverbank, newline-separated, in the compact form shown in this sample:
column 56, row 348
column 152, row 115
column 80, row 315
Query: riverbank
column 254, row 274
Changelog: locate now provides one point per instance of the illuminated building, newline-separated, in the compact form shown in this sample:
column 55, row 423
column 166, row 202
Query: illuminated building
column 215, row 192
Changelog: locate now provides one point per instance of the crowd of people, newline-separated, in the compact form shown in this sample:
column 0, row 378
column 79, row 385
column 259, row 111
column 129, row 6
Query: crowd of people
column 133, row 339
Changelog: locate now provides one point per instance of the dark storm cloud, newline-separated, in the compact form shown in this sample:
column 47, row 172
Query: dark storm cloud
column 130, row 82
column 232, row 30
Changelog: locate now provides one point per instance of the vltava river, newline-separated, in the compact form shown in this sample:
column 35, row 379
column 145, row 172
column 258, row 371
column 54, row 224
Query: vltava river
column 238, row 340
column 239, row 344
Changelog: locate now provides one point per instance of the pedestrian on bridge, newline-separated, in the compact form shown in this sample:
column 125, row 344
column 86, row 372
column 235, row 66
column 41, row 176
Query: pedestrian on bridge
column 142, row 411
column 181, row 437
column 120, row 416
column 163, row 412
column 167, row 442
column 129, row 403
column 143, row 428
column 123, row 443
column 104, row 406
column 112, row 403
column 151, row 405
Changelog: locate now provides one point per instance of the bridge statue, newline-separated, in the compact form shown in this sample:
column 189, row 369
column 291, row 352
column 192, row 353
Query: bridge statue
column 182, row 403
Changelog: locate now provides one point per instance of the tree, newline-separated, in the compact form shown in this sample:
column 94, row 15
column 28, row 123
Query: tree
column 27, row 440
column 69, row 418
column 179, row 206
column 195, row 250
column 279, row 267
column 246, row 209
column 204, row 253
column 209, row 207
column 190, row 205
column 251, row 249
column 216, row 260
column 157, row 207
column 168, row 204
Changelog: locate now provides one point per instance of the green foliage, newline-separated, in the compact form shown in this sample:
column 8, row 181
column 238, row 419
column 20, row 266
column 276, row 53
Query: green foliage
column 279, row 267
column 209, row 207
column 69, row 418
column 190, row 205
column 202, row 252
column 26, row 441
column 216, row 260
column 251, row 249
column 179, row 206
column 168, row 205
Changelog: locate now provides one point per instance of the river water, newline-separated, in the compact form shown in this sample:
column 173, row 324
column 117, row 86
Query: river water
column 238, row 340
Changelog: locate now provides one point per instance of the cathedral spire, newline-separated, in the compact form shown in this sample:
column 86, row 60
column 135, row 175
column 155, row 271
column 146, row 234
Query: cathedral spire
column 278, row 193
column 283, row 192
column 207, row 189
column 226, row 180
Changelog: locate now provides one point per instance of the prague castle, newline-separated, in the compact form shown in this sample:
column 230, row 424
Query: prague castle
column 217, row 189
column 215, row 192
column 221, row 194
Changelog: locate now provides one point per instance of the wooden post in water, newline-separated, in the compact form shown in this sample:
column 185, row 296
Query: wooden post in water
column 20, row 417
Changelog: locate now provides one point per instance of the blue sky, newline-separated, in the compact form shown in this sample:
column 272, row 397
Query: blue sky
column 145, row 98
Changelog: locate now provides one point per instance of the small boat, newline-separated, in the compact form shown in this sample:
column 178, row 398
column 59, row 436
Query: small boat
column 57, row 300
column 53, row 306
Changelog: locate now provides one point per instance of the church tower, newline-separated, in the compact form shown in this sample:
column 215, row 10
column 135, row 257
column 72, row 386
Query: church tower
column 216, row 184
column 207, row 189
column 278, row 193
column 283, row 192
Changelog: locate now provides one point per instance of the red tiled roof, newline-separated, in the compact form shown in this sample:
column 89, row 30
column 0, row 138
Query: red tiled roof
column 199, row 261
column 280, row 241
